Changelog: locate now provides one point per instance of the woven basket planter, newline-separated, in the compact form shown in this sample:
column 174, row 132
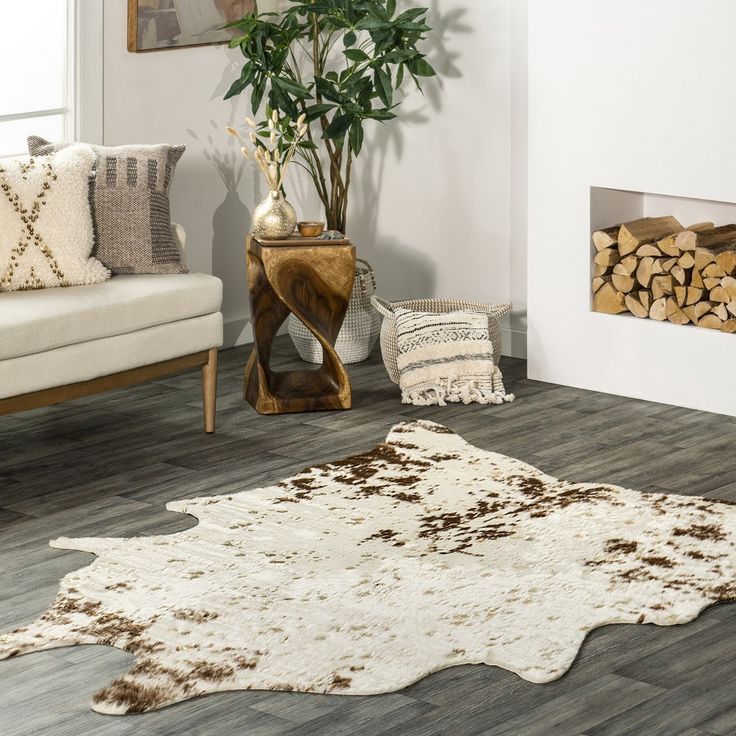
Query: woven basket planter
column 389, row 348
column 359, row 330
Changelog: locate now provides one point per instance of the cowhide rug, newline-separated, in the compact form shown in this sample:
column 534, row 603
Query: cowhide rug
column 366, row 574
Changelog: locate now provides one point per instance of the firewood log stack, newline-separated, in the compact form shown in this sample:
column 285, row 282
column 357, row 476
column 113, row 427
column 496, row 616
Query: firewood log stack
column 656, row 268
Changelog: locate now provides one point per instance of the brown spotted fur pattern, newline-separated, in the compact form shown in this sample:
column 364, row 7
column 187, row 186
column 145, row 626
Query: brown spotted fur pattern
column 366, row 574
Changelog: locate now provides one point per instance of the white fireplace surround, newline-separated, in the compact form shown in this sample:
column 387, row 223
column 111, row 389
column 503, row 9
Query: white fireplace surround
column 615, row 111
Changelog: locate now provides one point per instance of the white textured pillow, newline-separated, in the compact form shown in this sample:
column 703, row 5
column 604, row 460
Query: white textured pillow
column 46, row 234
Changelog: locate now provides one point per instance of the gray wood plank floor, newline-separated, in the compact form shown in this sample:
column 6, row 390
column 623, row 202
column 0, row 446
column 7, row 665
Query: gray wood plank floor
column 107, row 465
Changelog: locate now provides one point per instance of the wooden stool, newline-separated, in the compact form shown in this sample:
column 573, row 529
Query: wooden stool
column 312, row 279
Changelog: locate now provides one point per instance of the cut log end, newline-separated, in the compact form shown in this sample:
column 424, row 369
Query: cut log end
column 606, row 238
column 658, row 310
column 608, row 300
column 650, row 229
column 635, row 306
column 608, row 257
column 710, row 321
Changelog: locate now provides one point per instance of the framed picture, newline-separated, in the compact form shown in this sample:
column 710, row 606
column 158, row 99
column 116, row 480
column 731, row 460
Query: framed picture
column 154, row 25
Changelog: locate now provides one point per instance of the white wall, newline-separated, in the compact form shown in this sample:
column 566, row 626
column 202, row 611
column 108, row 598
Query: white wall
column 175, row 96
column 627, row 95
column 433, row 197
column 519, row 72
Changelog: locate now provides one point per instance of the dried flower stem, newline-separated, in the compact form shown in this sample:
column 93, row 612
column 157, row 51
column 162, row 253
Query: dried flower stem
column 272, row 162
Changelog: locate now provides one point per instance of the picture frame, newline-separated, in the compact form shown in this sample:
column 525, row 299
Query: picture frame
column 157, row 25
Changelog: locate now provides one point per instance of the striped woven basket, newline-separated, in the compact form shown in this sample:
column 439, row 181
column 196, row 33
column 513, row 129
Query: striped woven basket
column 389, row 348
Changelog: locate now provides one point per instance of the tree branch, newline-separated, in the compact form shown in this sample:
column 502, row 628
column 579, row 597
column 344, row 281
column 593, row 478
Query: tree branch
column 344, row 204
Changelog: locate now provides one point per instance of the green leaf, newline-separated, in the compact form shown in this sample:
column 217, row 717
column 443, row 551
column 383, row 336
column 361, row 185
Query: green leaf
column 421, row 67
column 246, row 77
column 277, row 59
column 242, row 23
column 356, row 55
column 349, row 39
column 351, row 107
column 281, row 101
column 256, row 95
column 383, row 86
column 260, row 53
column 365, row 92
column 236, row 41
column 400, row 76
column 315, row 111
column 337, row 22
column 289, row 85
column 373, row 24
column 390, row 8
column 328, row 90
column 399, row 55
column 376, row 10
column 356, row 136
column 379, row 114
column 318, row 8
column 338, row 127
column 411, row 26
column 411, row 14
column 235, row 89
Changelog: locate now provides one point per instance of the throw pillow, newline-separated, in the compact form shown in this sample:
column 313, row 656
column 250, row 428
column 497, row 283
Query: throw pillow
column 130, row 205
column 46, row 234
column 446, row 358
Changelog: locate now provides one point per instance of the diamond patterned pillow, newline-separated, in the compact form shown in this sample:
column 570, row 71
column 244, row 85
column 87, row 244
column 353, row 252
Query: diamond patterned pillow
column 130, row 205
column 46, row 234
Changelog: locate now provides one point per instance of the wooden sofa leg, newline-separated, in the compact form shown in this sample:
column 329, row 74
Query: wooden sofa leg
column 209, row 391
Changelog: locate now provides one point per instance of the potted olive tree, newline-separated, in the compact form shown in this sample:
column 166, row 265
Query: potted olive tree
column 332, row 65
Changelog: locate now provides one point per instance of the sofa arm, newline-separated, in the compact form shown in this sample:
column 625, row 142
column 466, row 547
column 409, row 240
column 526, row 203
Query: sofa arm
column 180, row 240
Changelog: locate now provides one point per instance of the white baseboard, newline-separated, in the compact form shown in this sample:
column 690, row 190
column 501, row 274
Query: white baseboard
column 514, row 343
column 237, row 331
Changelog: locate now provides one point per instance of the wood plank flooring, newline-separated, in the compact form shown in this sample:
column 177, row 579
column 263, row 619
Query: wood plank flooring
column 107, row 465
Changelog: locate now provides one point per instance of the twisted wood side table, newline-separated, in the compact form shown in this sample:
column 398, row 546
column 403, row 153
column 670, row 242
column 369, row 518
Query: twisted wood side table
column 312, row 279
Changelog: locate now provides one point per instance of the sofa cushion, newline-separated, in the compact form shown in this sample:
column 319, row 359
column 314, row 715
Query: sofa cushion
column 89, row 360
column 35, row 321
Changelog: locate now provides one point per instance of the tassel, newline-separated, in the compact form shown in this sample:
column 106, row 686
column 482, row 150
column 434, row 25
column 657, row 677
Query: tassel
column 465, row 392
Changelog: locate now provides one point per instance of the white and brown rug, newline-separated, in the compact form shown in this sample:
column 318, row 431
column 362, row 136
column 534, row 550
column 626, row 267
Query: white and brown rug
column 366, row 574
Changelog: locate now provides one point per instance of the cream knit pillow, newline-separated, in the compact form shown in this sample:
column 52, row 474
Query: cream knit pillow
column 46, row 234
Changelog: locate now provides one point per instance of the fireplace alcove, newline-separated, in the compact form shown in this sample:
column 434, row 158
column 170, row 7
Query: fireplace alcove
column 650, row 276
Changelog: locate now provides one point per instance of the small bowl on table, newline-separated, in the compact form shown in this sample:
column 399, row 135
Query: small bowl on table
column 310, row 229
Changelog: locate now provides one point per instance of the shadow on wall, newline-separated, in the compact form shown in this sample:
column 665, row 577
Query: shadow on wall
column 402, row 269
column 230, row 222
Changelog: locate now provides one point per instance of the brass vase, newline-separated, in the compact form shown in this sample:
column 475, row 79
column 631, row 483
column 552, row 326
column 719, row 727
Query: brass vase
column 274, row 218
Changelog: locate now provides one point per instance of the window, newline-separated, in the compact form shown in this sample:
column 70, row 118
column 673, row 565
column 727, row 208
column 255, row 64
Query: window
column 37, row 61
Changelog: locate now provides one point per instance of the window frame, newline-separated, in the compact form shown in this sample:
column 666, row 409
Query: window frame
column 89, row 61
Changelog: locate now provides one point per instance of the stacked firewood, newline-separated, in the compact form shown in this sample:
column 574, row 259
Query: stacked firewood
column 659, row 269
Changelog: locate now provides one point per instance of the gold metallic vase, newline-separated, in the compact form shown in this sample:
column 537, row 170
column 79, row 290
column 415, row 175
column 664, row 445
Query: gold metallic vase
column 274, row 218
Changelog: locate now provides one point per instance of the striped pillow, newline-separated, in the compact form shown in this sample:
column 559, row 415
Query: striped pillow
column 446, row 358
column 130, row 205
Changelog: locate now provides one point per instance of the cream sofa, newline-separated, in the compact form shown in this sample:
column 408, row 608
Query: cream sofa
column 59, row 344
